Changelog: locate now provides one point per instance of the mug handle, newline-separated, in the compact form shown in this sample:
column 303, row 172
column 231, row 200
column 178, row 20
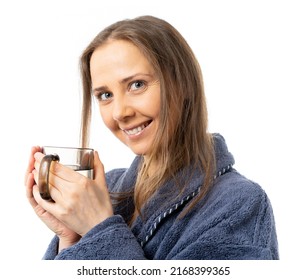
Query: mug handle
column 43, row 176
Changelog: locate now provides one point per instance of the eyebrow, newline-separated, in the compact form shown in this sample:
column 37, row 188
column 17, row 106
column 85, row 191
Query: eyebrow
column 123, row 81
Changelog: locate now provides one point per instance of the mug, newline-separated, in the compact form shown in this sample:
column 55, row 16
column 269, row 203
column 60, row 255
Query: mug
column 78, row 159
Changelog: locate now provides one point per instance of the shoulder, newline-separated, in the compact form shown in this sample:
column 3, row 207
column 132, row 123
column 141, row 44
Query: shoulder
column 241, row 209
column 237, row 214
column 233, row 221
column 236, row 204
column 234, row 188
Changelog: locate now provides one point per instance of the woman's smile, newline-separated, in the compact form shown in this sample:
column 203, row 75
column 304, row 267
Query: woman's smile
column 136, row 130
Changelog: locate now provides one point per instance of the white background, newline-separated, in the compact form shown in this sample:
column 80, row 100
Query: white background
column 253, row 59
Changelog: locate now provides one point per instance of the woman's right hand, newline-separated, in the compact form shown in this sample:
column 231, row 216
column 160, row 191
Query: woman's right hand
column 67, row 237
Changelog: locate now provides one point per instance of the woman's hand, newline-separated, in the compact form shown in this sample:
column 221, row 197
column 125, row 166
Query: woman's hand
column 79, row 203
column 67, row 236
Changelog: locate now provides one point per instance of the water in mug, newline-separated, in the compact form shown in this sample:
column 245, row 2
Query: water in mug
column 86, row 172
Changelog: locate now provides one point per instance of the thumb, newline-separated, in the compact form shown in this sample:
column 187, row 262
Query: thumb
column 99, row 173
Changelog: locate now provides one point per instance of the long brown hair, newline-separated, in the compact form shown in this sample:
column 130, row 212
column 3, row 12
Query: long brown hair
column 182, row 138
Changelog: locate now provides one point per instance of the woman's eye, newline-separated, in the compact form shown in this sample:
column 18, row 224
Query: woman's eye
column 137, row 85
column 105, row 96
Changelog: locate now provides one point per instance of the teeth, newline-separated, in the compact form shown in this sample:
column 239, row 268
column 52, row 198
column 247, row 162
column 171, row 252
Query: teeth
column 135, row 130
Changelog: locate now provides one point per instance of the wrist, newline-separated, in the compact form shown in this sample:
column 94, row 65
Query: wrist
column 65, row 242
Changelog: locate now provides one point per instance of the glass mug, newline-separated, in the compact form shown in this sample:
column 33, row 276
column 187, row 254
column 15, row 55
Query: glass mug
column 78, row 159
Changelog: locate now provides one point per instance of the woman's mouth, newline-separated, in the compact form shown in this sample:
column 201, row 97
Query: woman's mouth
column 137, row 130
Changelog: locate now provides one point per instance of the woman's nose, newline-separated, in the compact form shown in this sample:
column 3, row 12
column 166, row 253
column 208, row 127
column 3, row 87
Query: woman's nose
column 121, row 109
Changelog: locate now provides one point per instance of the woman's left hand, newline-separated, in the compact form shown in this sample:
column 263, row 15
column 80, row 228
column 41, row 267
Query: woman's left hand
column 79, row 202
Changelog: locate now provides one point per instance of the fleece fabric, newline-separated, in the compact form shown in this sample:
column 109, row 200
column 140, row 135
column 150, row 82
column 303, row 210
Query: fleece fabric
column 234, row 221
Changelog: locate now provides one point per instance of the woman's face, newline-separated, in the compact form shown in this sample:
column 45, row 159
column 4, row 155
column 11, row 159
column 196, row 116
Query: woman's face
column 128, row 92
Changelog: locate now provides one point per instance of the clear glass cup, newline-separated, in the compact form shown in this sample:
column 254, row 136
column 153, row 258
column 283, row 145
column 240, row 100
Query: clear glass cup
column 78, row 159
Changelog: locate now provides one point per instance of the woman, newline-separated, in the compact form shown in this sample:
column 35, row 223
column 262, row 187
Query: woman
column 181, row 197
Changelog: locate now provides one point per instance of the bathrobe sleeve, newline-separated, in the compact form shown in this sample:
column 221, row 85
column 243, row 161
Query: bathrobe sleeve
column 110, row 240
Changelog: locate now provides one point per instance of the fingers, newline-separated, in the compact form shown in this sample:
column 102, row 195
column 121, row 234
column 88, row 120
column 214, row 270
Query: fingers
column 60, row 174
column 29, row 184
column 44, row 205
column 67, row 173
column 63, row 179
column 56, row 168
column 31, row 162
column 99, row 173
column 59, row 187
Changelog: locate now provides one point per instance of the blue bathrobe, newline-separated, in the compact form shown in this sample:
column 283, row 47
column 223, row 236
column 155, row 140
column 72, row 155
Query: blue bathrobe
column 234, row 221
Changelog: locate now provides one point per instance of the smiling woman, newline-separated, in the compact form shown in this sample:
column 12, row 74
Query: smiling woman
column 181, row 198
